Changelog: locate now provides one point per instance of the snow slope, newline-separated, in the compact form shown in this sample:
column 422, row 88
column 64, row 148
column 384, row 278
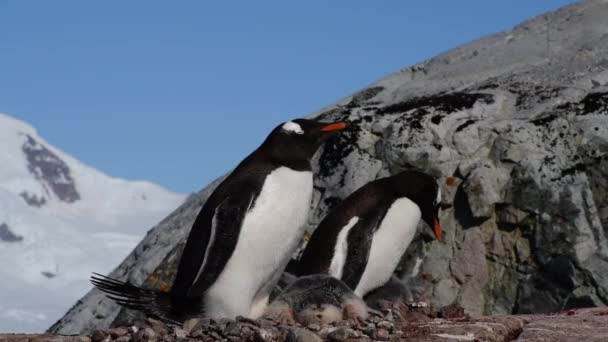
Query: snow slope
column 60, row 220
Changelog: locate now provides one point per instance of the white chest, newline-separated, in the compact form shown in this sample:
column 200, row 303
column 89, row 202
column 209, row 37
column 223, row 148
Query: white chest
column 268, row 237
column 390, row 241
column 278, row 217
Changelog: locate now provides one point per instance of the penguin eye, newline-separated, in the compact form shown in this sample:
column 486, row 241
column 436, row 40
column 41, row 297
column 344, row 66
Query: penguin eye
column 292, row 127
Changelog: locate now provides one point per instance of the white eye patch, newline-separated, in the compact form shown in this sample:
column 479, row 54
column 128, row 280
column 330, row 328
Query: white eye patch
column 292, row 127
column 438, row 199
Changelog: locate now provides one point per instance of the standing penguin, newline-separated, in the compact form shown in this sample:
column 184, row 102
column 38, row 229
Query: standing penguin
column 363, row 238
column 244, row 234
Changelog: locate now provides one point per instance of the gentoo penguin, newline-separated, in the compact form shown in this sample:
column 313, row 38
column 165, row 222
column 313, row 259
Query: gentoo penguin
column 318, row 298
column 363, row 238
column 243, row 236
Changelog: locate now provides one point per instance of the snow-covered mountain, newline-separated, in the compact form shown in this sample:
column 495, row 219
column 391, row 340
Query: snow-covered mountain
column 59, row 221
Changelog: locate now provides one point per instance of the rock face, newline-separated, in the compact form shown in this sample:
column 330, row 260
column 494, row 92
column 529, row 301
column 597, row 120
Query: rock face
column 516, row 127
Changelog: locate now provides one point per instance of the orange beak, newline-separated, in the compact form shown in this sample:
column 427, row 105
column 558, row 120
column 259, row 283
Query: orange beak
column 336, row 126
column 437, row 229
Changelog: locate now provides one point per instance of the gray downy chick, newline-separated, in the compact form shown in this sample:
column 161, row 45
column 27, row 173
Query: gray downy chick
column 394, row 290
column 318, row 298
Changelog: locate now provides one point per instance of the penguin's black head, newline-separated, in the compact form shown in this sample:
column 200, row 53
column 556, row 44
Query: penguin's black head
column 299, row 139
column 424, row 190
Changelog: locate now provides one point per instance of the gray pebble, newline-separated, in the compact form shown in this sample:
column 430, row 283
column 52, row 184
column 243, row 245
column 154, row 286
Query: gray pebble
column 145, row 335
column 263, row 335
column 314, row 327
column 160, row 329
column 247, row 320
column 232, row 328
column 302, row 335
column 369, row 331
column 197, row 333
column 98, row 335
column 385, row 325
column 326, row 330
column 249, row 326
column 381, row 334
column 344, row 323
column 180, row 333
column 340, row 334
column 190, row 324
column 119, row 331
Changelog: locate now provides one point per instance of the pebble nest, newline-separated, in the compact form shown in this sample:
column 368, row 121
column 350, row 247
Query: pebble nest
column 392, row 323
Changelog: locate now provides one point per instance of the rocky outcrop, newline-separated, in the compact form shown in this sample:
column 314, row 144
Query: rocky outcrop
column 32, row 199
column 7, row 235
column 51, row 171
column 515, row 126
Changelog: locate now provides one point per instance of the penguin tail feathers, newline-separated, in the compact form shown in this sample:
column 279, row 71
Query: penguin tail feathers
column 151, row 302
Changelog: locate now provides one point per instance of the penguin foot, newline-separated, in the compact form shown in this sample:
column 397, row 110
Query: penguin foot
column 286, row 318
column 355, row 311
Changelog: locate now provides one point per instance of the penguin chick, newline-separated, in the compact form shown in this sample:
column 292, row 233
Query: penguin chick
column 393, row 291
column 318, row 298
column 285, row 280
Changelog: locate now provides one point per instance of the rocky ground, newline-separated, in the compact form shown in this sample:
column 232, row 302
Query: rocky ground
column 398, row 322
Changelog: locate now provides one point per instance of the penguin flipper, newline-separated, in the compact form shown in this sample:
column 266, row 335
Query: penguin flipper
column 359, row 246
column 225, row 227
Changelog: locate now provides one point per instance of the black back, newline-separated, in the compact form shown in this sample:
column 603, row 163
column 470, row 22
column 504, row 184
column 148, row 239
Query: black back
column 370, row 203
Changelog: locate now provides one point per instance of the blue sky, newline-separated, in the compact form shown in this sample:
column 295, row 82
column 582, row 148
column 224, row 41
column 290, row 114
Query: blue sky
column 178, row 92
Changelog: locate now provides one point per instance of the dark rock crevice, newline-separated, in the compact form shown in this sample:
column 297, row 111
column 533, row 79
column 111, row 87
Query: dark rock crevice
column 462, row 211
